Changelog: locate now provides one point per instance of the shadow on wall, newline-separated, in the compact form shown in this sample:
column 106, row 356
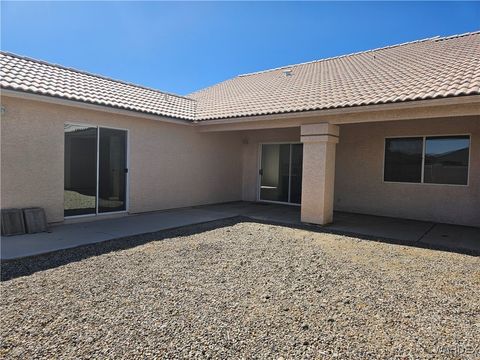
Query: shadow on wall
column 12, row 269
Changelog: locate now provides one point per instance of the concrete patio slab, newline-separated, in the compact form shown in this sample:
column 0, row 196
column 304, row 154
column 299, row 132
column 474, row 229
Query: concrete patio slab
column 380, row 226
column 76, row 234
column 66, row 236
column 454, row 237
column 261, row 211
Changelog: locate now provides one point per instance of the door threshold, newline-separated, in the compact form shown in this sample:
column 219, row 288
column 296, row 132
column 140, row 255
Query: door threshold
column 277, row 202
column 94, row 217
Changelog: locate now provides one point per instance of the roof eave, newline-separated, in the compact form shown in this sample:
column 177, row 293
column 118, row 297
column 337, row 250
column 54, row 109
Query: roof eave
column 464, row 105
column 91, row 106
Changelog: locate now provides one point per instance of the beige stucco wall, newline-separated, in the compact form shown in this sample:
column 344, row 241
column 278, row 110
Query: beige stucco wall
column 170, row 165
column 359, row 185
column 174, row 165
column 251, row 151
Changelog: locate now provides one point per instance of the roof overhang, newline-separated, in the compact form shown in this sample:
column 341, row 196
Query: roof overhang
column 418, row 109
column 89, row 106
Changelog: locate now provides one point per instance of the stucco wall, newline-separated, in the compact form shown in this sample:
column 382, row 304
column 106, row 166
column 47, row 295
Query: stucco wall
column 174, row 166
column 250, row 154
column 170, row 165
column 359, row 185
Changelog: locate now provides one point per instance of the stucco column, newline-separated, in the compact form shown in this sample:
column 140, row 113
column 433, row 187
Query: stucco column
column 319, row 142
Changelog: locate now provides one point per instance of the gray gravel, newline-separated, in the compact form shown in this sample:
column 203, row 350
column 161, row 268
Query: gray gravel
column 245, row 290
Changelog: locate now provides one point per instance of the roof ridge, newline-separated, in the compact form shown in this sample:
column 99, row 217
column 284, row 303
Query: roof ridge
column 458, row 35
column 8, row 53
column 436, row 38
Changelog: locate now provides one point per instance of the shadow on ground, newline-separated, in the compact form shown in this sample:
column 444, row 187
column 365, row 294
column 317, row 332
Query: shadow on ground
column 11, row 269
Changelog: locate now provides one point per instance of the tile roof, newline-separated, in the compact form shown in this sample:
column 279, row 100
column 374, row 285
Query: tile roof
column 425, row 69
column 30, row 75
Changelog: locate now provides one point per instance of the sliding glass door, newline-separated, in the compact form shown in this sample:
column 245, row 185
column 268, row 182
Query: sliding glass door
column 296, row 168
column 112, row 170
column 281, row 173
column 80, row 170
column 95, row 170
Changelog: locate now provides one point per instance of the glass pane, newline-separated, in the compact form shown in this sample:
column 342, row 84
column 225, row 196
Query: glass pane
column 403, row 159
column 446, row 160
column 80, row 174
column 275, row 172
column 296, row 172
column 112, row 170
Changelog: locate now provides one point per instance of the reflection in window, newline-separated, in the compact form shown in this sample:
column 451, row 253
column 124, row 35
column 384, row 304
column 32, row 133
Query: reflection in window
column 446, row 160
column 80, row 170
column 403, row 159
column 275, row 172
column 112, row 164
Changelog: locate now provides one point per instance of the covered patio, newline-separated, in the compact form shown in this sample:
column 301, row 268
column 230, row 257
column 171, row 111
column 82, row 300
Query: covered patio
column 409, row 232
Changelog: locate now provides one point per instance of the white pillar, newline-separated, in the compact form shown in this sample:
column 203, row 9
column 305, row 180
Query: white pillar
column 319, row 142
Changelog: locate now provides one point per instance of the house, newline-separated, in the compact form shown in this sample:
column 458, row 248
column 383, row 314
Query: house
column 393, row 131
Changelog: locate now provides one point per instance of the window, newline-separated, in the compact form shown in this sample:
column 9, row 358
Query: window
column 431, row 159
column 95, row 172
column 281, row 173
column 446, row 160
column 403, row 159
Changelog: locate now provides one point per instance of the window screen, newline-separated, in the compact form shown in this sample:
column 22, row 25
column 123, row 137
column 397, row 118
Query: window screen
column 403, row 159
column 446, row 160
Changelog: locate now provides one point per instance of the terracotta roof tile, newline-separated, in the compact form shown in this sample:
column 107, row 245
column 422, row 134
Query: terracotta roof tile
column 29, row 75
column 425, row 69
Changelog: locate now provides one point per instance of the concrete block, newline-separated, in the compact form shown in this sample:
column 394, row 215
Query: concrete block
column 35, row 220
column 12, row 222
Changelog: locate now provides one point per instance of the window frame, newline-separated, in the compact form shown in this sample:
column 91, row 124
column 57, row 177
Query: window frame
column 424, row 139
column 127, row 190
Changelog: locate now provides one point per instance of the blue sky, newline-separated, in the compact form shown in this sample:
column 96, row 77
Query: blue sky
column 181, row 47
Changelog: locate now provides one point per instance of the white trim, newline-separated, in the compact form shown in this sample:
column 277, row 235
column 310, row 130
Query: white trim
column 127, row 180
column 98, row 171
column 424, row 137
column 113, row 128
column 127, row 175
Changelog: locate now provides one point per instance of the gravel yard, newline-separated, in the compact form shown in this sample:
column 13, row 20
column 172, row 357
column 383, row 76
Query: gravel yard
column 243, row 289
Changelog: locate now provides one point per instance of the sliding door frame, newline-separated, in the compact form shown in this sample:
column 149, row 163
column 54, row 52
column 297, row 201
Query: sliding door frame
column 259, row 167
column 127, row 175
